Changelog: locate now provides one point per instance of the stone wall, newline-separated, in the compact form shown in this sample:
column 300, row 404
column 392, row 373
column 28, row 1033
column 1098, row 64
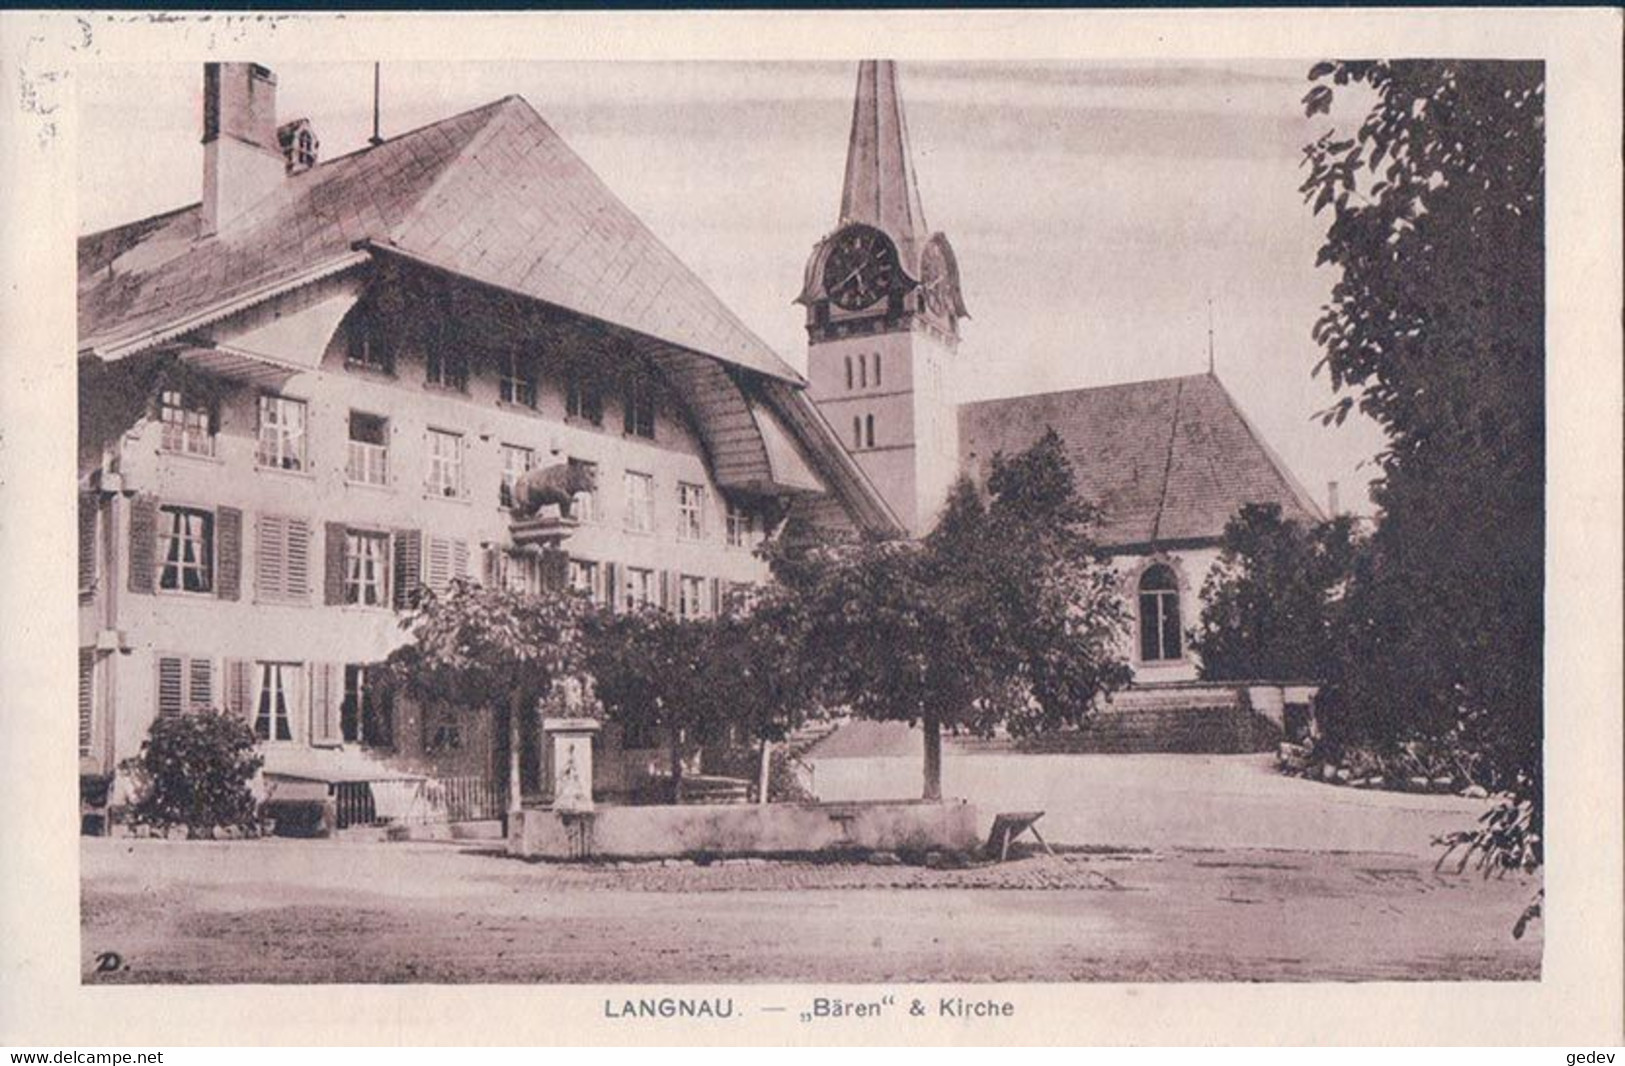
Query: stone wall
column 724, row 830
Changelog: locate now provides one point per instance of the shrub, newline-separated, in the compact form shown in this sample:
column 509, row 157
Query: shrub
column 193, row 770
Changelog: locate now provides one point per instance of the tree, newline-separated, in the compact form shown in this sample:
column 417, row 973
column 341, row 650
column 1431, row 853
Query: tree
column 1003, row 615
column 193, row 770
column 658, row 674
column 1435, row 329
column 1269, row 605
column 480, row 646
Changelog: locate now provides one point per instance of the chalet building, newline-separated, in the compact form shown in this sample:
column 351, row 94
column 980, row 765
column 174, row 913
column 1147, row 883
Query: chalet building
column 317, row 389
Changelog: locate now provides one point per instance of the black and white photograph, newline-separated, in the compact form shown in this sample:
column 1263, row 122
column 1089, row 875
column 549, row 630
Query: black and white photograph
column 877, row 519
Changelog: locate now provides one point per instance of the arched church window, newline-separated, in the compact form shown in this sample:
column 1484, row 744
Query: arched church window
column 849, row 372
column 877, row 370
column 863, row 371
column 869, row 429
column 857, row 431
column 1159, row 615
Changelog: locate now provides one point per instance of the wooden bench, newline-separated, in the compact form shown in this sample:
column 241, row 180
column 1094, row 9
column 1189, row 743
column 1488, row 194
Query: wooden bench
column 1008, row 826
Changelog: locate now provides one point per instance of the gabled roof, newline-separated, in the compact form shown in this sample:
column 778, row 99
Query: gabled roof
column 1168, row 461
column 493, row 194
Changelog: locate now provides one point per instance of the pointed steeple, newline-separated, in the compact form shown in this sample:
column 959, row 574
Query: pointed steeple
column 880, row 190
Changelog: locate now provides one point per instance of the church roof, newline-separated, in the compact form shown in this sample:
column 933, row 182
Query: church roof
column 493, row 194
column 880, row 189
column 1168, row 461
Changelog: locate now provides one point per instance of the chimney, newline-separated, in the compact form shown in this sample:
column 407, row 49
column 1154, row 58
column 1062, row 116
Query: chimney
column 242, row 160
column 1333, row 508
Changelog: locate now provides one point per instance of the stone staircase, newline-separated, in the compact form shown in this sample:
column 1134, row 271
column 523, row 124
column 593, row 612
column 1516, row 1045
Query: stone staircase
column 1209, row 719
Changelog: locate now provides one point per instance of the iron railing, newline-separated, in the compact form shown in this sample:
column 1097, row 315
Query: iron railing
column 416, row 801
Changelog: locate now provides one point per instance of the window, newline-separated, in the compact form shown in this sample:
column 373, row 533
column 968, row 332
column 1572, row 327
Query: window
column 587, row 576
column 516, row 571
column 369, row 347
column 367, row 716
column 584, row 504
column 877, row 370
column 273, row 708
column 184, row 684
column 857, row 431
column 518, row 381
column 515, row 462
column 692, row 601
column 741, row 525
column 281, row 433
column 849, row 378
column 445, row 464
column 639, row 413
column 1159, row 615
column 690, row 511
column 368, row 459
column 863, row 371
column 366, row 569
column 188, row 424
column 868, row 431
column 282, row 559
column 640, row 587
column 640, row 502
column 447, row 367
column 186, row 546
column 87, row 698
column 583, row 396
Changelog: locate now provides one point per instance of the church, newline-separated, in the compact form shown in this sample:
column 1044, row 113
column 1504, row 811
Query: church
column 332, row 381
column 1167, row 461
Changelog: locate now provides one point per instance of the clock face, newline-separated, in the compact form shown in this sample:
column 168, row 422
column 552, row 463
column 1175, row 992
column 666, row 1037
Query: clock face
column 861, row 268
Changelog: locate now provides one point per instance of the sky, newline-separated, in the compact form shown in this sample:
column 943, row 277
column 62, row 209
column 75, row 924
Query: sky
column 1095, row 209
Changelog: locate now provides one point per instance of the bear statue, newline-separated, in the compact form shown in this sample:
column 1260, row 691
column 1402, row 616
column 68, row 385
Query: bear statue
column 556, row 484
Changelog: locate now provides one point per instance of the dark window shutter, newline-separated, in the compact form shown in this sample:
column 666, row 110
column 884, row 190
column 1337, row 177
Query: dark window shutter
column 228, row 540
column 408, row 566
column 171, row 682
column 143, row 543
column 333, row 577
column 88, row 502
column 240, row 689
column 716, row 597
column 87, row 698
column 663, row 580
column 612, row 587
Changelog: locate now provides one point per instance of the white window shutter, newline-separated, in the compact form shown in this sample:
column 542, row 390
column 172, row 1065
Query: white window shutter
column 199, row 683
column 297, row 582
column 437, row 571
column 270, row 557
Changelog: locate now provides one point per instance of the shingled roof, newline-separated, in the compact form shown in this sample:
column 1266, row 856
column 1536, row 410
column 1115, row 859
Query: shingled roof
column 493, row 194
column 1168, row 461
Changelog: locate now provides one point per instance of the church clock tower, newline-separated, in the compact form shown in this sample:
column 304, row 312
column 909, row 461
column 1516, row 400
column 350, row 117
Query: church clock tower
column 883, row 311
